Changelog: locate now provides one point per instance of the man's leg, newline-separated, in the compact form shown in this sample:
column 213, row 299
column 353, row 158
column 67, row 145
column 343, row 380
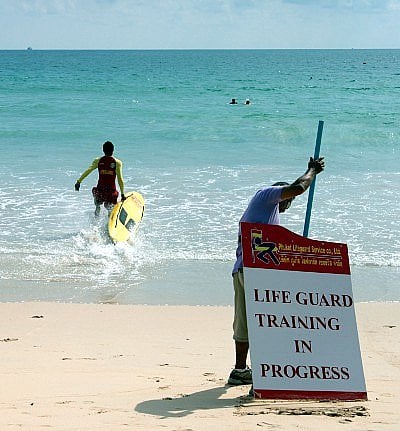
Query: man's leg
column 110, row 201
column 241, row 374
column 97, row 201
column 109, row 206
column 241, row 349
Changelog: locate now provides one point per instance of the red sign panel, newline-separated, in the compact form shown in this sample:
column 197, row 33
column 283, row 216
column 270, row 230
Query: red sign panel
column 274, row 247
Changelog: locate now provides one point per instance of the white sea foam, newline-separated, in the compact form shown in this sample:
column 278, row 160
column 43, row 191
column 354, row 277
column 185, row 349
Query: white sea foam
column 197, row 162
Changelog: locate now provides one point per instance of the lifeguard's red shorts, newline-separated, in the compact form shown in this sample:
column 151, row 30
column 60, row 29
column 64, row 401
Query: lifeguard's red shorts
column 104, row 196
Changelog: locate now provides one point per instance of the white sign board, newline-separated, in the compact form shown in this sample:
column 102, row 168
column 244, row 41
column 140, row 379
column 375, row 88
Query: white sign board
column 300, row 313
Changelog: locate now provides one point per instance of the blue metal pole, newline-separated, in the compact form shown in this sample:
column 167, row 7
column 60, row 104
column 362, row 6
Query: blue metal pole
column 312, row 187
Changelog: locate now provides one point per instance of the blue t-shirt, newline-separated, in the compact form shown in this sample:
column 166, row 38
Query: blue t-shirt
column 263, row 208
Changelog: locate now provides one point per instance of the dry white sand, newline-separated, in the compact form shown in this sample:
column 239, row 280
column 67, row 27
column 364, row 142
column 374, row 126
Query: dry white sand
column 115, row 367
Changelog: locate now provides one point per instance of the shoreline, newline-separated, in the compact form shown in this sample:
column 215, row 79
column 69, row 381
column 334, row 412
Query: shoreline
column 108, row 366
column 192, row 283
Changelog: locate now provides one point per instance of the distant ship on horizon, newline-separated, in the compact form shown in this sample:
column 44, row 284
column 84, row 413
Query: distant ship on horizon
column 29, row 48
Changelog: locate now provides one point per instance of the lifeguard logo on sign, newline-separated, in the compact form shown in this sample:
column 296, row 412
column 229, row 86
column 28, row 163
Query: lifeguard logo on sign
column 264, row 251
column 279, row 248
column 300, row 311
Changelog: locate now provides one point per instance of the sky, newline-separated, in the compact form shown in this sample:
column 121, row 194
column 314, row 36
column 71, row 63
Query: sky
column 199, row 24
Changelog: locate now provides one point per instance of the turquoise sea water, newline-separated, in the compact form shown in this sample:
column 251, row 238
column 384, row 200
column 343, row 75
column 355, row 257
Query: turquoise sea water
column 197, row 160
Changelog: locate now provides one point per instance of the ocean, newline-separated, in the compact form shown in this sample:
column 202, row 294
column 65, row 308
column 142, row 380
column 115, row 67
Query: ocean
column 197, row 160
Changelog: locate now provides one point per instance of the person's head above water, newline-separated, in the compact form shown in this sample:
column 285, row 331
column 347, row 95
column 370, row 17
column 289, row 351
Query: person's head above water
column 108, row 148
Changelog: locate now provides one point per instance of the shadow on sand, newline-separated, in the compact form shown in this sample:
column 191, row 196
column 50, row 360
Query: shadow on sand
column 186, row 404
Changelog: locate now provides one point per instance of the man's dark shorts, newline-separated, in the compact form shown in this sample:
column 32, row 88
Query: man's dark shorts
column 104, row 196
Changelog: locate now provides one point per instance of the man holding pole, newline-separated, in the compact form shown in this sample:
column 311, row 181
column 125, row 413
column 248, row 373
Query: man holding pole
column 264, row 207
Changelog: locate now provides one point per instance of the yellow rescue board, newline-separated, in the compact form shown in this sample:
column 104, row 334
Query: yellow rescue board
column 125, row 217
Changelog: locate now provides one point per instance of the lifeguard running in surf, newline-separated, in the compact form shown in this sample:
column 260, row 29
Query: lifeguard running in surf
column 109, row 169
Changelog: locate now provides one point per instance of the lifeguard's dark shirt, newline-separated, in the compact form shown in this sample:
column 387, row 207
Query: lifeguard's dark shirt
column 109, row 168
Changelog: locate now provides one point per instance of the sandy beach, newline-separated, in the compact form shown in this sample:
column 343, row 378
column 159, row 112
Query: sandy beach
column 115, row 367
